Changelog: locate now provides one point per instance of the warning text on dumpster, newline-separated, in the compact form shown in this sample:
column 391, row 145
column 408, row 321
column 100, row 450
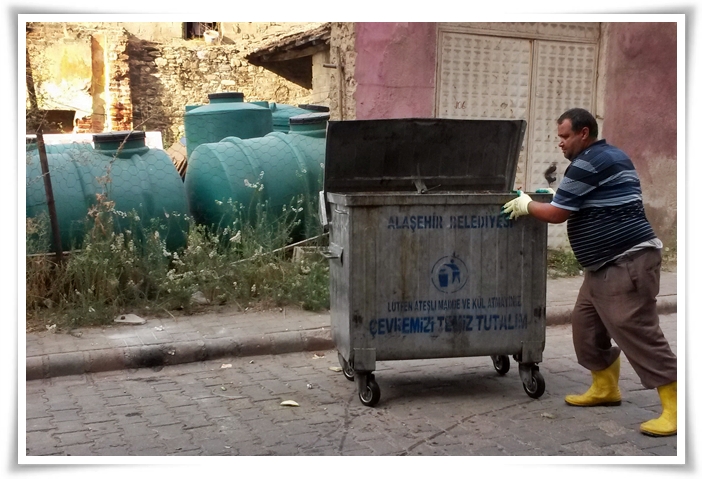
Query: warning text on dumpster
column 499, row 313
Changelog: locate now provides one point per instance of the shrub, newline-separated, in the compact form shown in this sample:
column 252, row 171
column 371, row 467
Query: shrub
column 124, row 266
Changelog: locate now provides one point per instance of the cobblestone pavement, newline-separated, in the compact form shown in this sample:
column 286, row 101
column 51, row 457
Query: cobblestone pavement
column 442, row 407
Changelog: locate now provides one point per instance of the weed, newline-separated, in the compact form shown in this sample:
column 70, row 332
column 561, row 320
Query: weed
column 562, row 263
column 124, row 265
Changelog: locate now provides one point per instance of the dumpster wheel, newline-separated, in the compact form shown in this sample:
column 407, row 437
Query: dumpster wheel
column 501, row 364
column 370, row 395
column 346, row 368
column 536, row 385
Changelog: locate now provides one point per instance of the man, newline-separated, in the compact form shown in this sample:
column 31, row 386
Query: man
column 600, row 196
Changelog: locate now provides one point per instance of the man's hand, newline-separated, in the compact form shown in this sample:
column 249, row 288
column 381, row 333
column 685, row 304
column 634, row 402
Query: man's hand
column 518, row 206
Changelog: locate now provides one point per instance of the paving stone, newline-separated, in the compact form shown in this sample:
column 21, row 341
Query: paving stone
column 60, row 406
column 137, row 429
column 171, row 431
column 112, row 451
column 197, row 420
column 438, row 407
column 73, row 438
column 41, row 424
column 66, row 415
column 162, row 420
column 586, row 448
column 78, row 450
column 70, row 426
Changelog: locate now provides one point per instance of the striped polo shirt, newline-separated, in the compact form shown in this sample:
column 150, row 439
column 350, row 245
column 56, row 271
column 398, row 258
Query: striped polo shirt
column 602, row 189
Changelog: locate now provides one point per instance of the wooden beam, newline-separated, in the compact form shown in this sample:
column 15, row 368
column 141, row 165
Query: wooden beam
column 258, row 59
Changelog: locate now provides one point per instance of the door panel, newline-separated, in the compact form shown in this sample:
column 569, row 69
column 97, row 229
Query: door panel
column 501, row 77
column 485, row 77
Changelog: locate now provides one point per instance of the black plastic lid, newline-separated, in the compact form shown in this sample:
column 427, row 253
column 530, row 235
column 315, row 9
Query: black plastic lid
column 309, row 118
column 227, row 94
column 442, row 154
column 314, row 107
column 119, row 136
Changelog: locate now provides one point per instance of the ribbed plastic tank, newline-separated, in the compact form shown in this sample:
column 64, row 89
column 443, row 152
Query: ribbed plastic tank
column 226, row 115
column 121, row 166
column 315, row 108
column 285, row 165
column 282, row 113
column 33, row 149
column 310, row 124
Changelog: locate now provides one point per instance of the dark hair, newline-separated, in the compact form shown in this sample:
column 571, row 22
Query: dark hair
column 579, row 119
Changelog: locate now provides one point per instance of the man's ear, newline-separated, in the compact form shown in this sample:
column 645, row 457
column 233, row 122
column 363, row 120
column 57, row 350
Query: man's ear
column 584, row 133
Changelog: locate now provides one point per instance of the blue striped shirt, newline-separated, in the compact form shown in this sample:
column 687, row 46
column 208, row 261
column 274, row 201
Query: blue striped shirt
column 603, row 191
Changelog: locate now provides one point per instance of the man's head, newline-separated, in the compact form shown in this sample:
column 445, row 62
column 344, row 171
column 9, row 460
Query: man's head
column 577, row 129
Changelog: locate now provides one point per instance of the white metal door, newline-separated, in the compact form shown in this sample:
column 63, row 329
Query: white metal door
column 485, row 77
column 506, row 76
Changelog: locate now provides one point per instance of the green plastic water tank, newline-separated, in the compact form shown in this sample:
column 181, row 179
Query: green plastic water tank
column 282, row 113
column 315, row 108
column 33, row 149
column 139, row 178
column 275, row 168
column 310, row 124
column 226, row 115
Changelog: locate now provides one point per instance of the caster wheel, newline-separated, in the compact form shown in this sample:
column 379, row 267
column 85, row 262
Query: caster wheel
column 501, row 364
column 371, row 395
column 536, row 386
column 346, row 368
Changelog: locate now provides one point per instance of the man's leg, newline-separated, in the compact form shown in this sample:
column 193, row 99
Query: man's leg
column 594, row 350
column 626, row 300
column 625, row 297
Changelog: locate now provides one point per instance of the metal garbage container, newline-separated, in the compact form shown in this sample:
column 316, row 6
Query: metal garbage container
column 422, row 262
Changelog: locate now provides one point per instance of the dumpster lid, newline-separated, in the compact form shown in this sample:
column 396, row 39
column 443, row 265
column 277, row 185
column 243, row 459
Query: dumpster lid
column 422, row 155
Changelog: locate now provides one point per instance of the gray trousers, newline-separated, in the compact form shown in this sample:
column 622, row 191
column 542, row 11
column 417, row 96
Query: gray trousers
column 619, row 302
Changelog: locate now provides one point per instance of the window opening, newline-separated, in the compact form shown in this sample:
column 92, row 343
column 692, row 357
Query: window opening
column 197, row 29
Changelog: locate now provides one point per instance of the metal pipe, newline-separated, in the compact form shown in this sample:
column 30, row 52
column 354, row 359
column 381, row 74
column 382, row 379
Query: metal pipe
column 53, row 218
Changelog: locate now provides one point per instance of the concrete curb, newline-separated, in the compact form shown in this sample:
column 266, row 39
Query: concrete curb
column 100, row 360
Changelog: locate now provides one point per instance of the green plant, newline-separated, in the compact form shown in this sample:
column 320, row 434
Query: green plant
column 124, row 265
column 562, row 263
column 670, row 251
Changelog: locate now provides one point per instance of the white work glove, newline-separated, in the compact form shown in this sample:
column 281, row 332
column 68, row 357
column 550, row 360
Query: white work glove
column 518, row 206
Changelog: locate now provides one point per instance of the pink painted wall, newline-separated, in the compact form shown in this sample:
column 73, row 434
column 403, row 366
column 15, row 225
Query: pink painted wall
column 640, row 114
column 395, row 70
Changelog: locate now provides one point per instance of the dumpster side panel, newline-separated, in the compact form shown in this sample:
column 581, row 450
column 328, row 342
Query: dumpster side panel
column 443, row 280
column 339, row 281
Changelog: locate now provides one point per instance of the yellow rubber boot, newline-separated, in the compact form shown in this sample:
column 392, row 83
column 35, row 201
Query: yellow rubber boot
column 667, row 423
column 604, row 390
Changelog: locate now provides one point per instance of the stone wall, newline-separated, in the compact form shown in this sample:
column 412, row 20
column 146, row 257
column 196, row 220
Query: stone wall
column 150, row 82
column 165, row 78
column 342, row 102
column 80, row 67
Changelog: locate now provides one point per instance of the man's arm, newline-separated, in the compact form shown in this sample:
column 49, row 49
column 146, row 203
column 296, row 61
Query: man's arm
column 524, row 205
column 547, row 212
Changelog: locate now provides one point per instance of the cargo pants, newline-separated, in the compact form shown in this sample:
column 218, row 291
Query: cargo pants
column 618, row 302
